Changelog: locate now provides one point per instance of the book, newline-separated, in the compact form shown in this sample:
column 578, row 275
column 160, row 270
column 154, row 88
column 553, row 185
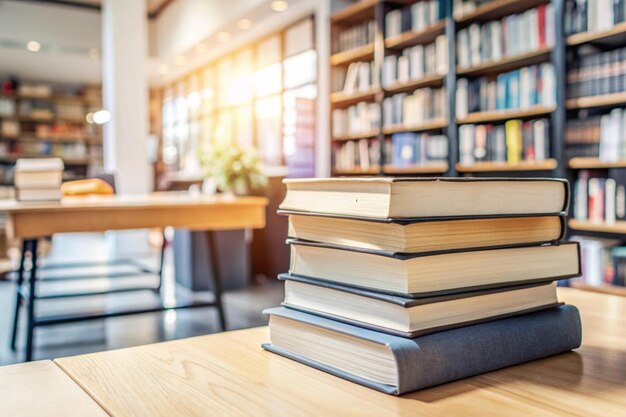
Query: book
column 436, row 197
column 34, row 194
column 38, row 179
column 396, row 365
column 409, row 317
column 427, row 274
column 425, row 236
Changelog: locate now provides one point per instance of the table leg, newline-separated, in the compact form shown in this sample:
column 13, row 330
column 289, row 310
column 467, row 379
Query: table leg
column 161, row 262
column 217, row 281
column 30, row 323
column 18, row 295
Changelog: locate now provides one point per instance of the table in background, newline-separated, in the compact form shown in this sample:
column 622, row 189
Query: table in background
column 229, row 374
column 31, row 221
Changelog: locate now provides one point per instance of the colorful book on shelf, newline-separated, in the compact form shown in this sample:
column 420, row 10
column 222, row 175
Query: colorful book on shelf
column 408, row 317
column 396, row 365
column 434, row 273
column 438, row 197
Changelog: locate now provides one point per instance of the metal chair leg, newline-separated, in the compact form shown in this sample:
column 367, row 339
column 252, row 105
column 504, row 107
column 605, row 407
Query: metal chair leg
column 217, row 281
column 18, row 295
column 30, row 323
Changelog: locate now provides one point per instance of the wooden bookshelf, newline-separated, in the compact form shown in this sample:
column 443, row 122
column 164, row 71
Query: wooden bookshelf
column 358, row 171
column 339, row 99
column 365, row 135
column 605, row 100
column 429, row 125
column 594, row 163
column 619, row 227
column 616, row 33
column 547, row 165
column 507, row 63
column 361, row 10
column 604, row 289
column 500, row 115
column 407, row 39
column 498, row 8
column 409, row 87
column 428, row 168
column 362, row 53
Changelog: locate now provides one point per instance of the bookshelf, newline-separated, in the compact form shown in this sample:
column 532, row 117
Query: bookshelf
column 500, row 115
column 427, row 168
column 594, row 163
column 604, row 100
column 547, row 165
column 508, row 63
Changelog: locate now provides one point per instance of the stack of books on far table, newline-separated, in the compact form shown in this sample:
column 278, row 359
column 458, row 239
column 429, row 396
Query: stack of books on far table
column 403, row 284
column 38, row 179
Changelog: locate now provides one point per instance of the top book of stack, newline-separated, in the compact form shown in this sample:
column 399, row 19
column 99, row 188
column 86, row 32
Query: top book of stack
column 419, row 198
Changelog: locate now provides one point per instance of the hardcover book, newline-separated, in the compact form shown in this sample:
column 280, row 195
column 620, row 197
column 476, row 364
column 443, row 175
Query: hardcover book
column 397, row 365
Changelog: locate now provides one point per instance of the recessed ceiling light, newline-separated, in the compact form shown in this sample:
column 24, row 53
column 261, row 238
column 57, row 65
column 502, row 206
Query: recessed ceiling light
column 223, row 37
column 180, row 60
column 279, row 5
column 33, row 46
column 244, row 24
column 94, row 53
column 201, row 48
column 163, row 69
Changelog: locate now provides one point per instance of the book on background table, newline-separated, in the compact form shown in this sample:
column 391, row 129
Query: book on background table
column 435, row 273
column 425, row 235
column 35, row 194
column 418, row 198
column 407, row 317
column 396, row 365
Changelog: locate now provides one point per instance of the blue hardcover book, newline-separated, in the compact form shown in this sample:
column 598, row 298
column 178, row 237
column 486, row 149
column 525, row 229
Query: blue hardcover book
column 396, row 365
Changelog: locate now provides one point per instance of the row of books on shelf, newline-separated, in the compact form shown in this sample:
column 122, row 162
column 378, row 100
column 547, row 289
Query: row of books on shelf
column 512, row 35
column 603, row 261
column 355, row 36
column 413, row 18
column 42, row 109
column 416, row 62
column 65, row 150
column 466, row 288
column 56, row 130
column 360, row 77
column 413, row 110
column 361, row 118
column 593, row 15
column 400, row 150
column 600, row 198
column 512, row 142
column 597, row 73
column 462, row 8
column 520, row 89
column 601, row 136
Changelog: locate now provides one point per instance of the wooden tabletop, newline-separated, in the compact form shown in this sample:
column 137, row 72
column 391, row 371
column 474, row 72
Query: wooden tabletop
column 114, row 212
column 229, row 374
column 38, row 389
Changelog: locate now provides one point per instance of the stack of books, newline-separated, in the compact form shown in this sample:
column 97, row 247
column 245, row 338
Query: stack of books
column 38, row 179
column 403, row 284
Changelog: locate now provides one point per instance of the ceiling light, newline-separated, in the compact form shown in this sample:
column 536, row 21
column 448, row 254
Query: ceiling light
column 223, row 37
column 163, row 69
column 89, row 118
column 244, row 24
column 33, row 46
column 180, row 60
column 201, row 48
column 94, row 53
column 101, row 117
column 279, row 5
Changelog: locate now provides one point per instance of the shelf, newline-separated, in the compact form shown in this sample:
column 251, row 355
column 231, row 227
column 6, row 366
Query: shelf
column 426, row 168
column 604, row 289
column 365, row 135
column 362, row 53
column 429, row 125
column 425, row 36
column 361, row 10
column 594, row 163
column 605, row 100
column 499, row 115
column 358, row 171
column 429, row 81
column 619, row 227
column 498, row 8
column 67, row 161
column 617, row 34
column 339, row 99
column 507, row 63
column 33, row 138
column 547, row 165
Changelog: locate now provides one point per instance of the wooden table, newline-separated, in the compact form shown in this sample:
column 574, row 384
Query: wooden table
column 228, row 374
column 30, row 221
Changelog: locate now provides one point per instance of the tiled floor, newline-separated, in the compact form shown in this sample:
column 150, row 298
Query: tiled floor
column 243, row 308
